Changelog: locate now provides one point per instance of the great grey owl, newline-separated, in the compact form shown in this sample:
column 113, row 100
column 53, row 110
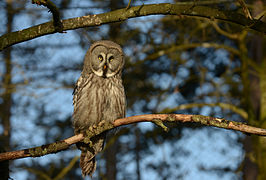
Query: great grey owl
column 98, row 96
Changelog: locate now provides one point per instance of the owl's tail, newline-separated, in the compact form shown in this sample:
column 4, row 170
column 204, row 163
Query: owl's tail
column 87, row 163
column 88, row 153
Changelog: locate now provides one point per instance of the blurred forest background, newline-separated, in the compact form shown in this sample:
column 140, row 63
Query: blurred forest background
column 174, row 64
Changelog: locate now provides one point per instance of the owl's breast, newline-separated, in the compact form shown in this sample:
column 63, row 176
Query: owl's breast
column 98, row 100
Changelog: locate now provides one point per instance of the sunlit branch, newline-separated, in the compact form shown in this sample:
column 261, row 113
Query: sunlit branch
column 230, row 107
column 119, row 15
column 128, row 5
column 245, row 9
column 159, row 119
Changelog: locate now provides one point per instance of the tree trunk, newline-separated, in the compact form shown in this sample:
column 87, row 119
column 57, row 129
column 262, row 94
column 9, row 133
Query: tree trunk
column 110, row 158
column 5, row 106
column 137, row 151
column 254, row 165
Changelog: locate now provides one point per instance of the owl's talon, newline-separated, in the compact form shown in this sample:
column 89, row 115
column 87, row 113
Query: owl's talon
column 86, row 140
column 90, row 144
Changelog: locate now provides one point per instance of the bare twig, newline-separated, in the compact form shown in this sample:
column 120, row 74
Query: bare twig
column 221, row 31
column 128, row 5
column 54, row 10
column 64, row 144
column 245, row 9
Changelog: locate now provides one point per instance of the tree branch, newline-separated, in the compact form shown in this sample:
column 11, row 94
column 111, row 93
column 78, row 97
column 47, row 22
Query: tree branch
column 245, row 9
column 182, row 47
column 54, row 10
column 101, row 127
column 230, row 107
column 119, row 15
column 226, row 34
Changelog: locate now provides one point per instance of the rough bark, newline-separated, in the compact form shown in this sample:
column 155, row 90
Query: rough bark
column 123, row 14
column 254, row 164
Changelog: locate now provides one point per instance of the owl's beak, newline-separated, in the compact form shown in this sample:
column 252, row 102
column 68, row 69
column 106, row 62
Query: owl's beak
column 104, row 70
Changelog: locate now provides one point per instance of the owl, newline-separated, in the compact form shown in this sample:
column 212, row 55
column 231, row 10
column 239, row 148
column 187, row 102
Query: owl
column 98, row 96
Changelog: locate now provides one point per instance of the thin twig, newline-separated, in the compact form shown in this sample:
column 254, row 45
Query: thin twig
column 54, row 10
column 245, row 9
column 67, row 168
column 128, row 5
column 221, row 31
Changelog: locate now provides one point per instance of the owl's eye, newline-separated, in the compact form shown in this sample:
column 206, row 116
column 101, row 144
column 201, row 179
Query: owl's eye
column 100, row 57
column 111, row 58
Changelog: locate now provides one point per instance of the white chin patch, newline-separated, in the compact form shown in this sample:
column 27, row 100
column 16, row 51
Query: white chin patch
column 110, row 74
column 98, row 73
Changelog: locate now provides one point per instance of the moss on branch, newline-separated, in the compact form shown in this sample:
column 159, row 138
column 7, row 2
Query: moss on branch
column 9, row 39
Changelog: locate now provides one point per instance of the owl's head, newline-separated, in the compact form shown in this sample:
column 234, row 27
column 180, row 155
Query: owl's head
column 104, row 58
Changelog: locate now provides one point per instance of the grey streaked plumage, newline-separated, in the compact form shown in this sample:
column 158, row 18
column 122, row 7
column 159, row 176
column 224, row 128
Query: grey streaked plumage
column 98, row 96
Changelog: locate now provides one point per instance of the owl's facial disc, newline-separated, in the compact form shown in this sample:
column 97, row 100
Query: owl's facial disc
column 106, row 62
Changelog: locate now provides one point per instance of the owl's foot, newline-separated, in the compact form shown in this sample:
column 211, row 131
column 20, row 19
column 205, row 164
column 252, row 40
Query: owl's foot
column 88, row 141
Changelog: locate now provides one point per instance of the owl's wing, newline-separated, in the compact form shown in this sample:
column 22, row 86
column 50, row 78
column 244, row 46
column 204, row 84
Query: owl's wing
column 76, row 89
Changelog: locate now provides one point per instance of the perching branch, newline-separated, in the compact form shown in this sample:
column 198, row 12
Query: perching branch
column 119, row 15
column 159, row 119
column 227, row 106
